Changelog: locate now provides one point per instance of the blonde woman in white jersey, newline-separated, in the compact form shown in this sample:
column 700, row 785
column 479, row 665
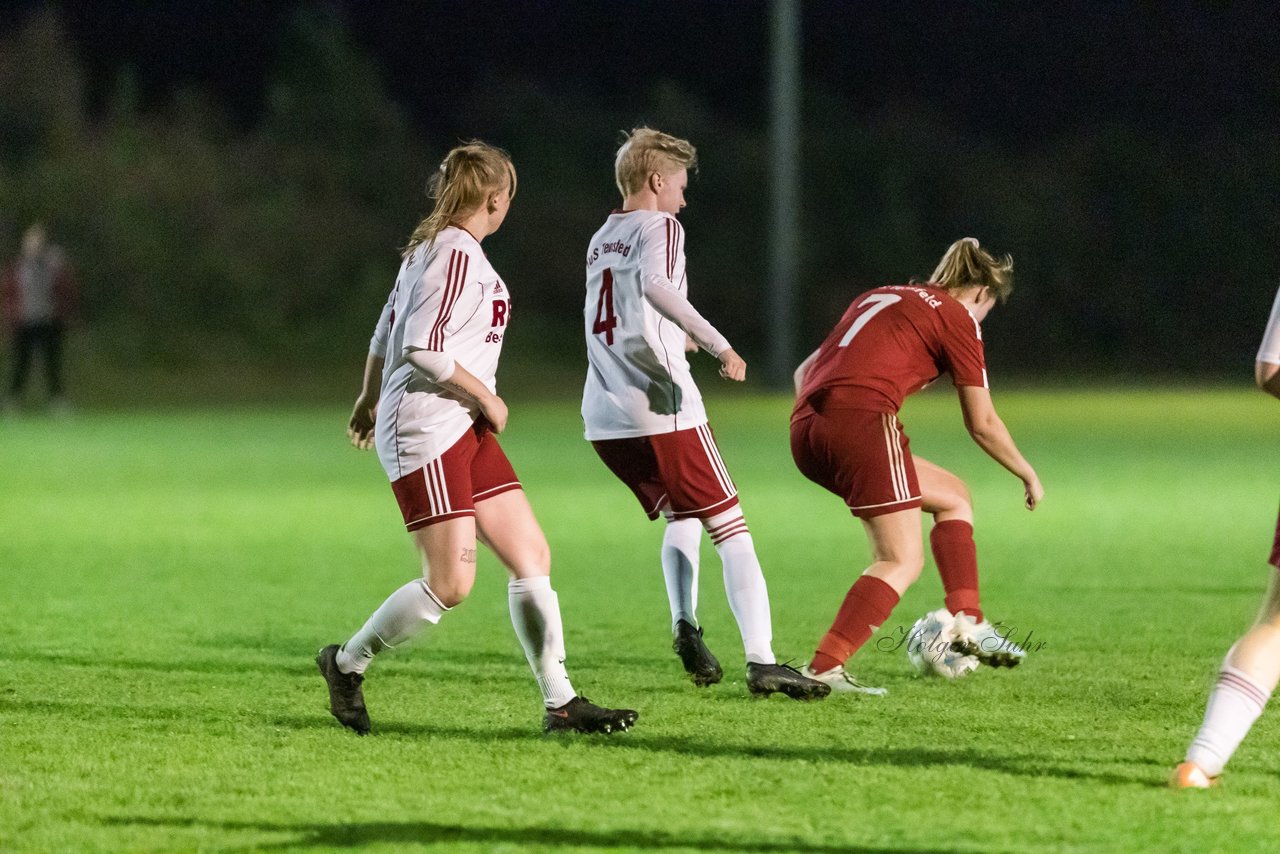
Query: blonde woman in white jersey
column 644, row 416
column 430, row 407
column 1252, row 667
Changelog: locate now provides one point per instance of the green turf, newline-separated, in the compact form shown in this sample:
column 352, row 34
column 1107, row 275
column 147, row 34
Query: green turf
column 167, row 578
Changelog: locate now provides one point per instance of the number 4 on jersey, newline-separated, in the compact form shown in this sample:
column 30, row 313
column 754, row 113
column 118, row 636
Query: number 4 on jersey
column 870, row 307
column 605, row 318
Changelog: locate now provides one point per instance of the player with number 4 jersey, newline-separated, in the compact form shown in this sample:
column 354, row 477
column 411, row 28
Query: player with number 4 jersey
column 846, row 437
column 644, row 416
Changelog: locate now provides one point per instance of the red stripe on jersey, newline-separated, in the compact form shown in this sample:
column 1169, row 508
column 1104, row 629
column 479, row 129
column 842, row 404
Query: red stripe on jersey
column 434, row 337
column 668, row 224
column 677, row 249
column 455, row 279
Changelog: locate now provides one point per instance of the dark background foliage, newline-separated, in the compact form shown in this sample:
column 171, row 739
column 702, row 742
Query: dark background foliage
column 233, row 179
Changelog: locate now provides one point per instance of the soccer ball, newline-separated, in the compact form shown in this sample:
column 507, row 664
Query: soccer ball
column 929, row 646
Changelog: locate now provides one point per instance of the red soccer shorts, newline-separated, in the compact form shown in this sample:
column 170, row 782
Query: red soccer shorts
column 681, row 471
column 1275, row 549
column 862, row 456
column 449, row 486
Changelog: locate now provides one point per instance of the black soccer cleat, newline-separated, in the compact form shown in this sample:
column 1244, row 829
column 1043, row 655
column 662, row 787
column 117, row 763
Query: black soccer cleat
column 346, row 698
column 581, row 715
column 766, row 679
column 698, row 661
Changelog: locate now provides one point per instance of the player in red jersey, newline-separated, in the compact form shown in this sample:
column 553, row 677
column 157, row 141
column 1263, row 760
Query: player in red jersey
column 430, row 406
column 846, row 437
column 1252, row 667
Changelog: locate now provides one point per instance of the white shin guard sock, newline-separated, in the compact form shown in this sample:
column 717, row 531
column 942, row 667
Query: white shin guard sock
column 535, row 615
column 680, row 544
column 1235, row 703
column 744, row 584
column 401, row 617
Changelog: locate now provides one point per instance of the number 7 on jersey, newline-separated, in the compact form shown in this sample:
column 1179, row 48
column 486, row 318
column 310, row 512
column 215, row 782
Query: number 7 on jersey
column 605, row 318
column 871, row 306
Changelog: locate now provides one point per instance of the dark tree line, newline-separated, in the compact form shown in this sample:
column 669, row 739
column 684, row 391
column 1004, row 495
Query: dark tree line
column 1137, row 255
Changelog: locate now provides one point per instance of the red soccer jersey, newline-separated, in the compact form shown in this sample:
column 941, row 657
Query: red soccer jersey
column 892, row 342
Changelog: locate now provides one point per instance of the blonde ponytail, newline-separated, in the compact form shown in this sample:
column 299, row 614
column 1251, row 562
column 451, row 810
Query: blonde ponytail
column 968, row 265
column 467, row 175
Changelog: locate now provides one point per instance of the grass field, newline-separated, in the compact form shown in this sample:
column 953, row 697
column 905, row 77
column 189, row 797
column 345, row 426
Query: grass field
column 166, row 579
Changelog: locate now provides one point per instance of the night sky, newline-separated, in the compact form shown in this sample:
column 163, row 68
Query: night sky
column 1022, row 72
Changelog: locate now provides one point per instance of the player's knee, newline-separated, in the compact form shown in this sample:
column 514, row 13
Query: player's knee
column 452, row 594
column 1270, row 617
column 539, row 561
column 951, row 501
column 451, row 589
column 908, row 568
column 902, row 570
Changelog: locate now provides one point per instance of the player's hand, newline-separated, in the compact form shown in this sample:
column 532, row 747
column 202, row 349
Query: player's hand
column 495, row 412
column 1034, row 492
column 690, row 346
column 360, row 427
column 732, row 367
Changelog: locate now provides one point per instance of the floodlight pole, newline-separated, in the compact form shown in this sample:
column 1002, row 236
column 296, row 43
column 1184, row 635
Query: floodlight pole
column 784, row 233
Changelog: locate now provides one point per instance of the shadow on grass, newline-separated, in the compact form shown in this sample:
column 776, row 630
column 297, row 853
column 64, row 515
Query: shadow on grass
column 302, row 664
column 1028, row 765
column 316, row 835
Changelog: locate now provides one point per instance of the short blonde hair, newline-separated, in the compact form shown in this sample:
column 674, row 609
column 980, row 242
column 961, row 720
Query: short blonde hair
column 467, row 175
column 646, row 151
column 968, row 265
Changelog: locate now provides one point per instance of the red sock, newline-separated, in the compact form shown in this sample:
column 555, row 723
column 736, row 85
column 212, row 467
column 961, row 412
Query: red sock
column 865, row 608
column 957, row 557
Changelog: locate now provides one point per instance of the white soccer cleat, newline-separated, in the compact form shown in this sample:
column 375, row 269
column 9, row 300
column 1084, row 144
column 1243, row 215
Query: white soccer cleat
column 842, row 682
column 1189, row 775
column 934, row 647
column 985, row 642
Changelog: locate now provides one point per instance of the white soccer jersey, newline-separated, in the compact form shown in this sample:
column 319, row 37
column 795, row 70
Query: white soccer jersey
column 638, row 380
column 1269, row 352
column 447, row 299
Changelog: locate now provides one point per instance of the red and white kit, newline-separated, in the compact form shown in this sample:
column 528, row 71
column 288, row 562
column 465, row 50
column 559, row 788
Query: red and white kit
column 448, row 300
column 890, row 343
column 1269, row 353
column 638, row 386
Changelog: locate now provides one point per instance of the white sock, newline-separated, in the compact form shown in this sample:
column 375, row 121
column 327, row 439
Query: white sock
column 535, row 615
column 680, row 543
column 744, row 583
column 402, row 616
column 1235, row 703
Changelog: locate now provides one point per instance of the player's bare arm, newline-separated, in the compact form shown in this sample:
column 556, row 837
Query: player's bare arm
column 360, row 425
column 990, row 434
column 464, row 384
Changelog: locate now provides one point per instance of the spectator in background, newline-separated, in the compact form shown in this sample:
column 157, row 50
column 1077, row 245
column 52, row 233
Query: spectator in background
column 39, row 297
